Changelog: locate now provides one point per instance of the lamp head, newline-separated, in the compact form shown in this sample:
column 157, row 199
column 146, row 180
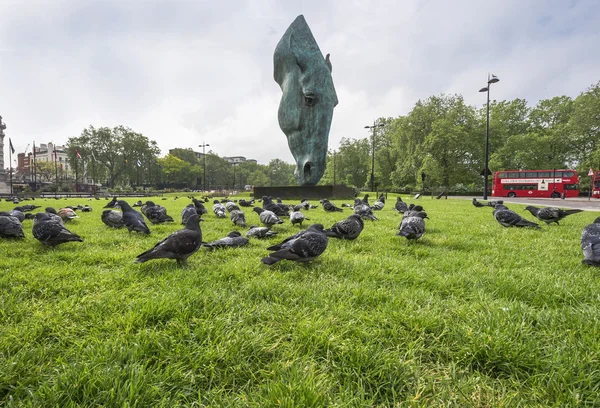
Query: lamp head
column 484, row 89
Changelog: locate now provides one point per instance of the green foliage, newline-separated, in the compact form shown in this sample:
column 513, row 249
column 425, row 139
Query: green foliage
column 472, row 314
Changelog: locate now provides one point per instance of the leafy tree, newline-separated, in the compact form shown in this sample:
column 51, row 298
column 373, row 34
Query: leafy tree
column 584, row 128
column 280, row 173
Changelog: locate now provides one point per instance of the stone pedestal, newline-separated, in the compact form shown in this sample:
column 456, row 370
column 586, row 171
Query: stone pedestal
column 308, row 192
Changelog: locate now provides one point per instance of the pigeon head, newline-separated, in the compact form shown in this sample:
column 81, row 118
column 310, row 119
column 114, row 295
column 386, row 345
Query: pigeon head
column 124, row 205
column 216, row 202
column 41, row 216
column 50, row 210
column 597, row 220
column 234, row 234
column 316, row 227
column 150, row 204
column 258, row 210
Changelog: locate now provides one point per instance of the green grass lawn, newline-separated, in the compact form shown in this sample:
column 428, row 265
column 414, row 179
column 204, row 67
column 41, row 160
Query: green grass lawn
column 472, row 314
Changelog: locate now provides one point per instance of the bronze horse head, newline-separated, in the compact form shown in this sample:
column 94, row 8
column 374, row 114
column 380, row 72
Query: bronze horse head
column 308, row 99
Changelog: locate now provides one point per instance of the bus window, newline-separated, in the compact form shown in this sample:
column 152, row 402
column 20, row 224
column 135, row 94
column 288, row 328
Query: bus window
column 571, row 186
column 531, row 174
column 567, row 174
column 545, row 174
column 502, row 175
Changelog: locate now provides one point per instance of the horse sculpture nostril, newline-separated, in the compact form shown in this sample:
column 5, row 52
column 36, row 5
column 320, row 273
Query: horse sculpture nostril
column 307, row 170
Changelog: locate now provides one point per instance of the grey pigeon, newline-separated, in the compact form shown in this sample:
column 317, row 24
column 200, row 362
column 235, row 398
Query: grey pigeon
column 52, row 213
column 189, row 211
column 365, row 200
column 180, row 245
column 400, row 205
column 413, row 207
column 219, row 209
column 86, row 208
column 379, row 204
column 50, row 231
column 112, row 218
column 17, row 214
column 412, row 225
column 363, row 210
column 132, row 219
column 200, row 208
column 279, row 209
column 350, row 228
column 550, row 214
column 245, row 203
column 477, row 203
column 138, row 203
column 330, row 207
column 260, row 232
column 230, row 205
column 233, row 240
column 296, row 217
column 590, row 243
column 156, row 214
column 301, row 247
column 508, row 218
column 268, row 218
column 27, row 208
column 494, row 203
column 238, row 217
column 10, row 227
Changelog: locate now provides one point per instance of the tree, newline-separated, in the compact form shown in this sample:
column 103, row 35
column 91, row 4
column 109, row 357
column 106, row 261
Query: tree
column 176, row 171
column 584, row 128
column 280, row 173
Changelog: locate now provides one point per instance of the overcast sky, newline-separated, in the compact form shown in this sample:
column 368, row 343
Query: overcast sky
column 183, row 72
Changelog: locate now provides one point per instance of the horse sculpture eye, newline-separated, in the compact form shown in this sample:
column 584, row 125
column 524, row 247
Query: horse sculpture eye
column 309, row 100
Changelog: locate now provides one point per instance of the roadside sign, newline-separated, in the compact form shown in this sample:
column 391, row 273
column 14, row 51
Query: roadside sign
column 591, row 172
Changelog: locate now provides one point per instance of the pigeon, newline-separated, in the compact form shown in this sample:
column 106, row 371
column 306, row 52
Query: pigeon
column 50, row 231
column 219, row 209
column 132, row 219
column 363, row 210
column 494, row 203
column 365, row 200
column 189, row 211
column 245, row 203
column 413, row 207
column 230, row 205
column 330, row 207
column 53, row 214
column 233, row 240
column 10, row 227
column 268, row 218
column 112, row 218
column 200, row 208
column 296, row 217
column 67, row 214
column 550, row 214
column 86, row 208
column 156, row 214
column 379, row 204
column 260, row 232
column 412, row 225
column 350, row 228
column 346, row 205
column 400, row 205
column 27, row 208
column 17, row 214
column 179, row 245
column 305, row 204
column 301, row 247
column 112, row 203
column 477, row 203
column 590, row 243
column 279, row 210
column 238, row 218
column 509, row 218
column 138, row 203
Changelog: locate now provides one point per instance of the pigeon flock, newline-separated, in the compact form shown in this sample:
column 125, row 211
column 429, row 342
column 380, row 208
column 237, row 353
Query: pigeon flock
column 304, row 246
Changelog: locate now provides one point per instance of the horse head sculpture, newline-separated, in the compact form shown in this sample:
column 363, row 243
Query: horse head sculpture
column 308, row 99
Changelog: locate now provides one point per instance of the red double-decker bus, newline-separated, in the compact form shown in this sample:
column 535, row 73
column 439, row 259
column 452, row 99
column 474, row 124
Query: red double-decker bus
column 596, row 185
column 536, row 183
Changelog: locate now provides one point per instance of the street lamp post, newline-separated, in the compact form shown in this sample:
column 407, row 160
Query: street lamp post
column 491, row 80
column 203, row 145
column 374, row 127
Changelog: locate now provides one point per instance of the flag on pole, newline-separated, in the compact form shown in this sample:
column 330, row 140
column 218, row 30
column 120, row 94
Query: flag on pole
column 12, row 149
column 77, row 154
column 139, row 163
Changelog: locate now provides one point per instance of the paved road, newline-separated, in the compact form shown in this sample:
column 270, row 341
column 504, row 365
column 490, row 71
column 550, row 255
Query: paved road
column 578, row 202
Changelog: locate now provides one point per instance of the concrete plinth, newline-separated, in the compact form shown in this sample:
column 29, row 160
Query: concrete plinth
column 308, row 192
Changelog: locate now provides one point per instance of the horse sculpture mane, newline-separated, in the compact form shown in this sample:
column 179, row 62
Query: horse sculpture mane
column 308, row 99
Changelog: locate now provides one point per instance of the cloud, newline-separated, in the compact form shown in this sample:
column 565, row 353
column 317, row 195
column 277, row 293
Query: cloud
column 186, row 72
